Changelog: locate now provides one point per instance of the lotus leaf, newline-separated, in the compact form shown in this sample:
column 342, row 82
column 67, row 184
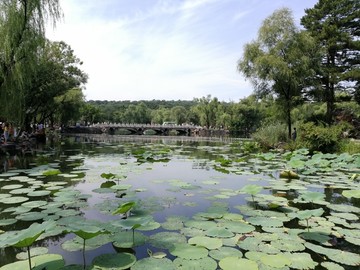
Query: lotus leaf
column 204, row 241
column 336, row 255
column 233, row 217
column 332, row 266
column 219, row 232
column 251, row 189
column 224, row 252
column 288, row 245
column 172, row 224
column 34, row 252
column 188, row 252
column 276, row 261
column 14, row 200
column 238, row 227
column 265, row 221
column 254, row 255
column 152, row 225
column 39, row 193
column 5, row 222
column 166, row 240
column 347, row 216
column 77, row 243
column 14, row 186
column 124, row 208
column 306, row 214
column 31, row 216
column 114, row 261
column 34, row 204
column 192, row 232
column 47, row 261
column 200, row 264
column 301, row 261
column 199, row 224
column 234, row 263
column 21, row 191
column 128, row 239
column 316, row 236
column 154, row 264
column 353, row 240
column 351, row 193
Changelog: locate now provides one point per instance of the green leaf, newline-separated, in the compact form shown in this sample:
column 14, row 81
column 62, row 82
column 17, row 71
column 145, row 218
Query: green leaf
column 251, row 189
column 231, row 263
column 124, row 208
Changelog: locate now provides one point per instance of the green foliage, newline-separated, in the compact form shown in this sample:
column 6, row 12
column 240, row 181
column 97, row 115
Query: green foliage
column 22, row 35
column 349, row 146
column 321, row 138
column 270, row 135
column 334, row 24
column 280, row 61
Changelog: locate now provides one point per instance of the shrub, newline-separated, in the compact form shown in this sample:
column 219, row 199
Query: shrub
column 271, row 135
column 350, row 146
column 321, row 138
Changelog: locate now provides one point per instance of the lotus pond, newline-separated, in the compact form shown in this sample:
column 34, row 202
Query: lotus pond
column 177, row 203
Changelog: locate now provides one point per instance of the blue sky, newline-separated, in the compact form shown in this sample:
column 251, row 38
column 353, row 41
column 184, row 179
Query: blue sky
column 165, row 49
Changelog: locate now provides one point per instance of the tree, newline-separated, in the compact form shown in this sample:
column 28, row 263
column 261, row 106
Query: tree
column 179, row 114
column 335, row 26
column 247, row 116
column 22, row 33
column 280, row 61
column 58, row 71
column 69, row 105
column 207, row 110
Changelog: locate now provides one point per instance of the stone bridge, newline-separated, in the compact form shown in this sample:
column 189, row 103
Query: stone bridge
column 135, row 129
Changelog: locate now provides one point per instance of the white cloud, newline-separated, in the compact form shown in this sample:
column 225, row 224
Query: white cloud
column 162, row 50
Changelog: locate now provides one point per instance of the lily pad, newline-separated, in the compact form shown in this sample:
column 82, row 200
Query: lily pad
column 232, row 263
column 114, row 261
column 204, row 241
column 188, row 252
column 200, row 264
column 276, row 261
column 154, row 264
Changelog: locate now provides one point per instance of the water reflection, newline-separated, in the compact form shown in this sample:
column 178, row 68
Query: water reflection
column 168, row 177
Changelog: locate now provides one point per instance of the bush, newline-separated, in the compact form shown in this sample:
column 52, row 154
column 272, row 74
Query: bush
column 321, row 138
column 350, row 146
column 271, row 135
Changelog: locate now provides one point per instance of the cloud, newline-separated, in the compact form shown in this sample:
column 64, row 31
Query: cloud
column 159, row 49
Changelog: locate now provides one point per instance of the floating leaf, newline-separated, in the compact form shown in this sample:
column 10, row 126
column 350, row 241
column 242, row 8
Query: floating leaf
column 336, row 255
column 276, row 261
column 200, row 264
column 204, row 241
column 251, row 189
column 351, row 193
column 187, row 251
column 231, row 263
column 114, row 261
column 154, row 264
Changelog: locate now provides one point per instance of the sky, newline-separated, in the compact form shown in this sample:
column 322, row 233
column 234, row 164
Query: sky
column 165, row 49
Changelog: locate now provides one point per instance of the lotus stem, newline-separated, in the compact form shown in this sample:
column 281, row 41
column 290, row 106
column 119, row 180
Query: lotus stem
column 29, row 257
column 307, row 225
column 84, row 259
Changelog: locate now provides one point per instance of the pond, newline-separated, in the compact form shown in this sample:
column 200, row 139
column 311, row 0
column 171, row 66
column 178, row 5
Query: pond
column 144, row 202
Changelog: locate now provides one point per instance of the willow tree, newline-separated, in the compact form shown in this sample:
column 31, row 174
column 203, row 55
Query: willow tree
column 280, row 61
column 22, row 33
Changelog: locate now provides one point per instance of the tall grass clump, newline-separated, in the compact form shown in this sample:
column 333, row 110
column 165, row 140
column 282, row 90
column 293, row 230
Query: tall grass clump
column 271, row 135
